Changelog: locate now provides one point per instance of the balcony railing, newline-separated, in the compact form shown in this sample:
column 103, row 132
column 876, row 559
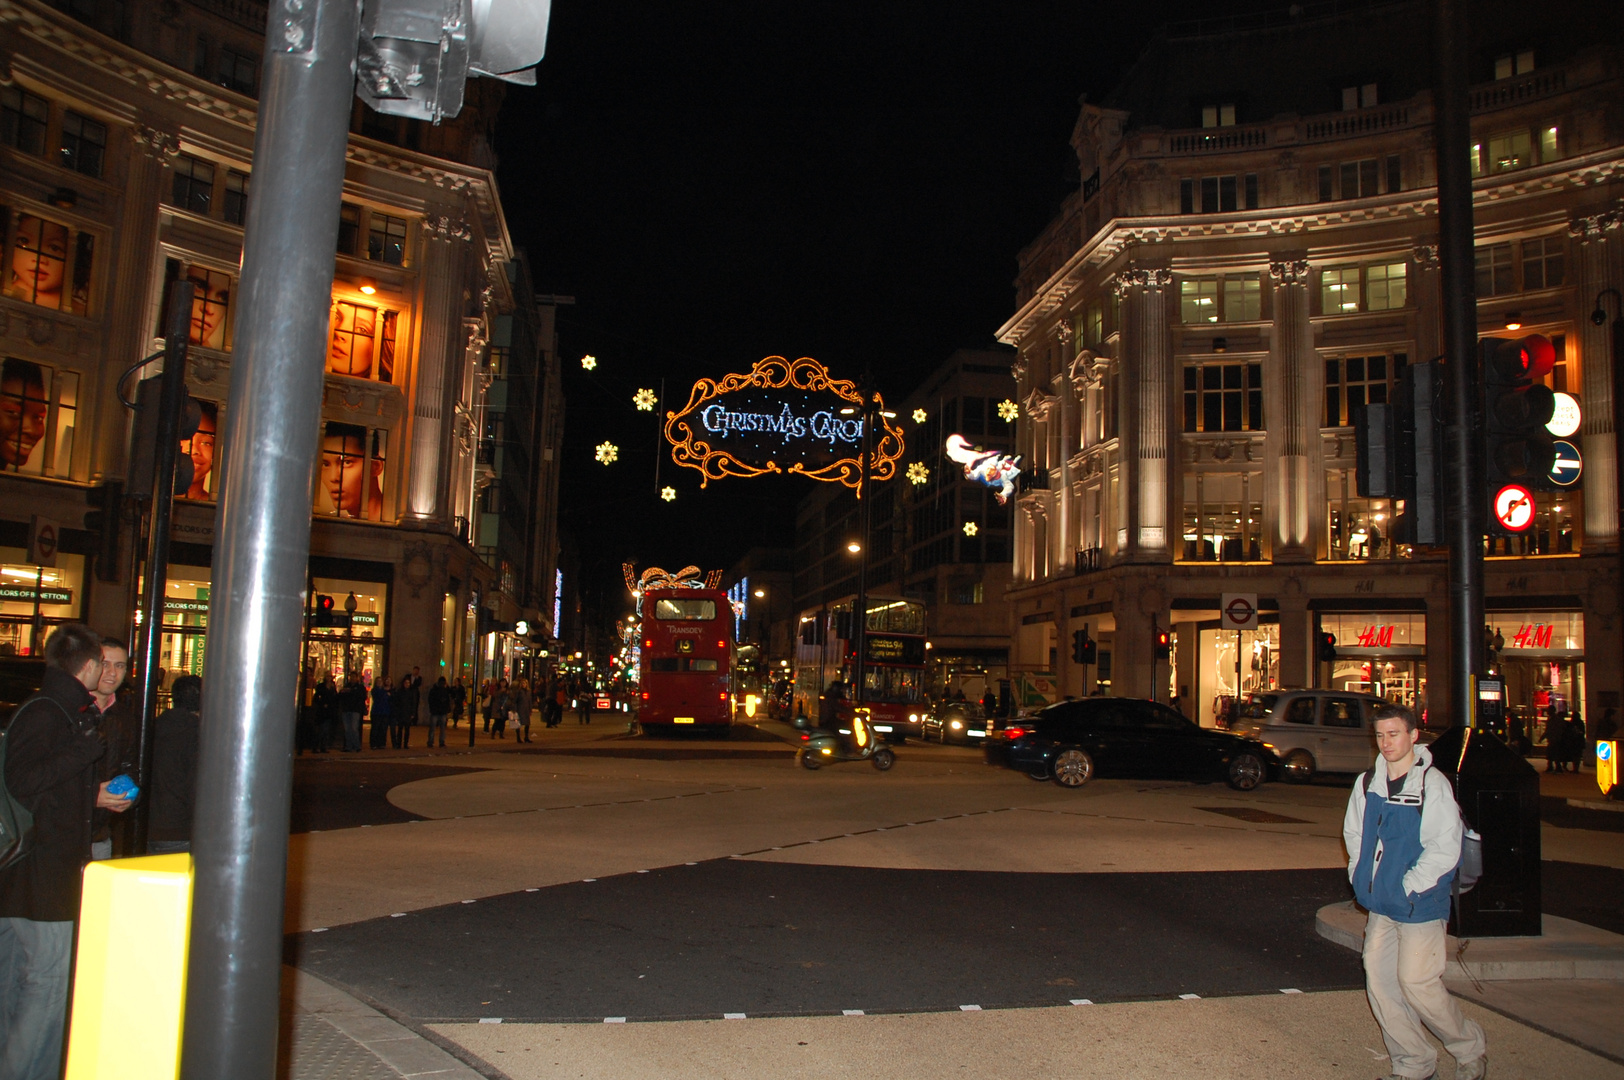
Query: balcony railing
column 1217, row 140
column 1498, row 95
column 1089, row 560
column 1037, row 480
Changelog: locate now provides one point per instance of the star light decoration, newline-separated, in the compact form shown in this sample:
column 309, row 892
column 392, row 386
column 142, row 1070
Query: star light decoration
column 1008, row 410
column 918, row 473
column 589, row 362
column 970, row 528
column 919, row 416
column 607, row 452
column 644, row 400
column 668, row 493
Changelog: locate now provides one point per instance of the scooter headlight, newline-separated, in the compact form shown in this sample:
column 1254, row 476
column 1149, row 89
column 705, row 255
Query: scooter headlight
column 826, row 750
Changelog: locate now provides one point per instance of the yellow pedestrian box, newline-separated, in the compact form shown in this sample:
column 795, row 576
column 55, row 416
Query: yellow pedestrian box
column 129, row 984
column 1607, row 765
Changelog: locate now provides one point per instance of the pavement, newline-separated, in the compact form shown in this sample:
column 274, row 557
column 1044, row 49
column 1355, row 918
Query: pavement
column 488, row 913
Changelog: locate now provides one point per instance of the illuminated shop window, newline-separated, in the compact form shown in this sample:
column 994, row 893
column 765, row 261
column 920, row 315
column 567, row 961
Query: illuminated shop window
column 200, row 448
column 363, row 341
column 1223, row 517
column 38, row 410
column 48, row 263
column 350, row 475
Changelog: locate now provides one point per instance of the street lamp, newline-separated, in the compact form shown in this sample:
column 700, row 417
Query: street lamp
column 1599, row 317
column 350, row 605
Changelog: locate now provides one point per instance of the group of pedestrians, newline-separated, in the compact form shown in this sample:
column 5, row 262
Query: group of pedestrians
column 504, row 704
column 63, row 747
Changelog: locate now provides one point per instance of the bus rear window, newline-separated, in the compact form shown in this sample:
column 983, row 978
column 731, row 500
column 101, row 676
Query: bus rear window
column 685, row 610
column 681, row 663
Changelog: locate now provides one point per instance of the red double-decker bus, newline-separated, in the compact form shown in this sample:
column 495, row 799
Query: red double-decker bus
column 687, row 660
column 893, row 665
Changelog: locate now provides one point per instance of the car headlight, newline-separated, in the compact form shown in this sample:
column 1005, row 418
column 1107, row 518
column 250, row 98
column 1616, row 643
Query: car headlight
column 955, row 725
column 913, row 718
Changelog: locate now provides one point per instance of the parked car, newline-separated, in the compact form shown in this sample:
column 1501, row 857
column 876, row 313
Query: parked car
column 960, row 722
column 1074, row 741
column 1313, row 731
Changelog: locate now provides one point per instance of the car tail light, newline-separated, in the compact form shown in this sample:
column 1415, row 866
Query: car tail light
column 1013, row 733
column 805, row 737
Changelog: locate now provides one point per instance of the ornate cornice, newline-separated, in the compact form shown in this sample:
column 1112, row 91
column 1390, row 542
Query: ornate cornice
column 447, row 228
column 1038, row 403
column 155, row 144
column 1289, row 271
column 1425, row 256
column 1062, row 331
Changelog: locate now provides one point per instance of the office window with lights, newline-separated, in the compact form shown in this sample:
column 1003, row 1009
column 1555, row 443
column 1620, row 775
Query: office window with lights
column 1339, row 290
column 1198, row 300
column 1386, row 286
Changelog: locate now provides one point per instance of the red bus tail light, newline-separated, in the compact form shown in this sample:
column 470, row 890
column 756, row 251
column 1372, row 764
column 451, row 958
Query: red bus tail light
column 648, row 643
column 722, row 697
column 645, row 695
column 721, row 644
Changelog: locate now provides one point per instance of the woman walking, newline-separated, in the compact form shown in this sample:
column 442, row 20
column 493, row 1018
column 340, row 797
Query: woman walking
column 381, row 700
column 501, row 701
column 522, row 706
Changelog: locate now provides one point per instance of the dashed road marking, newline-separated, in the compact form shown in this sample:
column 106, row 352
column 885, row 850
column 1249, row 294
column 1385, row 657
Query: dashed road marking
column 1290, row 990
column 614, row 1019
column 969, row 1008
column 1189, row 997
column 732, row 1016
column 490, row 1019
column 851, row 1012
column 1081, row 1001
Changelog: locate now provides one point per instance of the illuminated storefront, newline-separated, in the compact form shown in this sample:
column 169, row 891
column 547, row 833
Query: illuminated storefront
column 1381, row 653
column 361, row 648
column 53, row 593
column 1540, row 655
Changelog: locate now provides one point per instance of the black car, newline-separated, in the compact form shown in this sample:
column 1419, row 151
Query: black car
column 1074, row 741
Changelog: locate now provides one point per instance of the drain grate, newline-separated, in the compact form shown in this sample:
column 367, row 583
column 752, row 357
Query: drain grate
column 1253, row 815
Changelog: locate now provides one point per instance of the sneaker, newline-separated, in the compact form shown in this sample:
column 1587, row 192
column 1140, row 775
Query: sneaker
column 1472, row 1070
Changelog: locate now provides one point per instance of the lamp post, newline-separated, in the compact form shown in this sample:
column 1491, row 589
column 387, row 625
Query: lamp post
column 350, row 605
column 1616, row 340
column 871, row 415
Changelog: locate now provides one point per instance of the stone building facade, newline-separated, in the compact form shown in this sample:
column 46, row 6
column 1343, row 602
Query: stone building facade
column 1251, row 256
column 126, row 139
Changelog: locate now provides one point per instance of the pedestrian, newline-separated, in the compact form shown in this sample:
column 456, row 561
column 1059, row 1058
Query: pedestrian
column 414, row 711
column 352, row 703
column 459, row 701
column 500, row 703
column 52, row 748
column 439, row 709
column 1403, row 833
column 174, row 769
column 327, row 713
column 555, row 704
column 382, row 696
column 400, row 729
column 487, row 702
column 119, row 724
column 522, row 706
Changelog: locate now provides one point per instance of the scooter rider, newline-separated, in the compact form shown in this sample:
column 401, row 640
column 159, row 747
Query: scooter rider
column 829, row 707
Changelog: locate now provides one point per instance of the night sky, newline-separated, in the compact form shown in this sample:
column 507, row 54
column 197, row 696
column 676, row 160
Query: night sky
column 719, row 182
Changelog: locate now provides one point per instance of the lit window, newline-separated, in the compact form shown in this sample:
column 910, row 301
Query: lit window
column 1243, row 298
column 48, row 263
column 1339, row 290
column 350, row 483
column 1385, row 286
column 1510, row 152
column 1198, row 300
column 37, row 410
column 1549, row 150
column 1477, row 160
column 363, row 341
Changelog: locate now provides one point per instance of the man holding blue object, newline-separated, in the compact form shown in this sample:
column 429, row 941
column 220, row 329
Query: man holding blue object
column 1403, row 834
column 52, row 747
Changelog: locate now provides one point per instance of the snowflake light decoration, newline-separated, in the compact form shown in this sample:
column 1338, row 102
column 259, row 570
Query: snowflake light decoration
column 970, row 528
column 668, row 493
column 589, row 362
column 644, row 400
column 1008, row 410
column 919, row 416
column 918, row 473
column 607, row 452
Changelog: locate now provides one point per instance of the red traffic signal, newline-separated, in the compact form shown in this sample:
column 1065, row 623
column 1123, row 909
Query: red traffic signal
column 1327, row 648
column 1164, row 644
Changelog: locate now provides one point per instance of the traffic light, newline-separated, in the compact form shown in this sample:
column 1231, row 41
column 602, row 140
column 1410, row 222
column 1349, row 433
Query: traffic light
column 1327, row 648
column 416, row 55
column 1398, row 454
column 1078, row 640
column 1518, row 451
column 1164, row 645
column 1091, row 651
column 144, row 437
column 325, row 616
column 104, row 521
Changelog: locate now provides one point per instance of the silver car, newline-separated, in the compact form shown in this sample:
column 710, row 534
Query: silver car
column 1313, row 731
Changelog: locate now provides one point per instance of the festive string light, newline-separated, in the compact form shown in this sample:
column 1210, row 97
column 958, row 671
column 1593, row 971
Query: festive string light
column 1008, row 410
column 668, row 493
column 589, row 362
column 607, row 452
column 919, row 416
column 644, row 400
column 918, row 473
column 970, row 528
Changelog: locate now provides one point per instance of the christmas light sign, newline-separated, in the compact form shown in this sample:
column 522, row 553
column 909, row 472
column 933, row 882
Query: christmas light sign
column 781, row 416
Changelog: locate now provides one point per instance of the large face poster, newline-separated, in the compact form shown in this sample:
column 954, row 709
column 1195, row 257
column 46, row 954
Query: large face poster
column 200, row 448
column 23, row 411
column 211, row 301
column 350, row 480
column 362, row 345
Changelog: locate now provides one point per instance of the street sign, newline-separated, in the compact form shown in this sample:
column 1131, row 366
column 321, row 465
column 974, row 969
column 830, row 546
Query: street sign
column 1568, row 464
column 43, row 534
column 1514, row 508
column 1566, row 417
column 1238, row 611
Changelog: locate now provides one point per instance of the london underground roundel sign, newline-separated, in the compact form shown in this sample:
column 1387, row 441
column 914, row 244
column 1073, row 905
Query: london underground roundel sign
column 1514, row 507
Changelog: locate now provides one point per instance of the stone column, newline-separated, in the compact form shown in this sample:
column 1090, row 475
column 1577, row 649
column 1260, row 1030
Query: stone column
column 1297, row 658
column 1060, row 454
column 1599, row 240
column 1290, row 417
column 1147, row 408
column 129, row 323
column 440, row 347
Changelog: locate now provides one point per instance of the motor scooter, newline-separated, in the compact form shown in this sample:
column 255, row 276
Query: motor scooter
column 820, row 746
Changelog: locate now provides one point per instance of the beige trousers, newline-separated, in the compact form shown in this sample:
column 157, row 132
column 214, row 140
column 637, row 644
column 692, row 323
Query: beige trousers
column 1404, row 978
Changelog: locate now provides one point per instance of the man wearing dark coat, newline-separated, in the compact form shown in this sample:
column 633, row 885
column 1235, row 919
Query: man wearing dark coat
column 52, row 748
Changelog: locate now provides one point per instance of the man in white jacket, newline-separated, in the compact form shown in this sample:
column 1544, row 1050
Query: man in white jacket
column 1403, row 834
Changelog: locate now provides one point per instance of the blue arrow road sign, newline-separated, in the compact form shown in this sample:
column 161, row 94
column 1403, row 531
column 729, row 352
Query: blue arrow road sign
column 1569, row 464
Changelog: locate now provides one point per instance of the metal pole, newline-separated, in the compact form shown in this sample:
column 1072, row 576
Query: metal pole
column 865, row 503
column 245, row 771
column 1453, row 142
column 171, row 399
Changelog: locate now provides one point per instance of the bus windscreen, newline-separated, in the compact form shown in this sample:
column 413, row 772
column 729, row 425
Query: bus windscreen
column 685, row 610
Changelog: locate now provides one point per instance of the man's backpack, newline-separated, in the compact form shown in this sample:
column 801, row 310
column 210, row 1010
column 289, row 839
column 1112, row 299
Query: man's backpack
column 1471, row 843
column 16, row 820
